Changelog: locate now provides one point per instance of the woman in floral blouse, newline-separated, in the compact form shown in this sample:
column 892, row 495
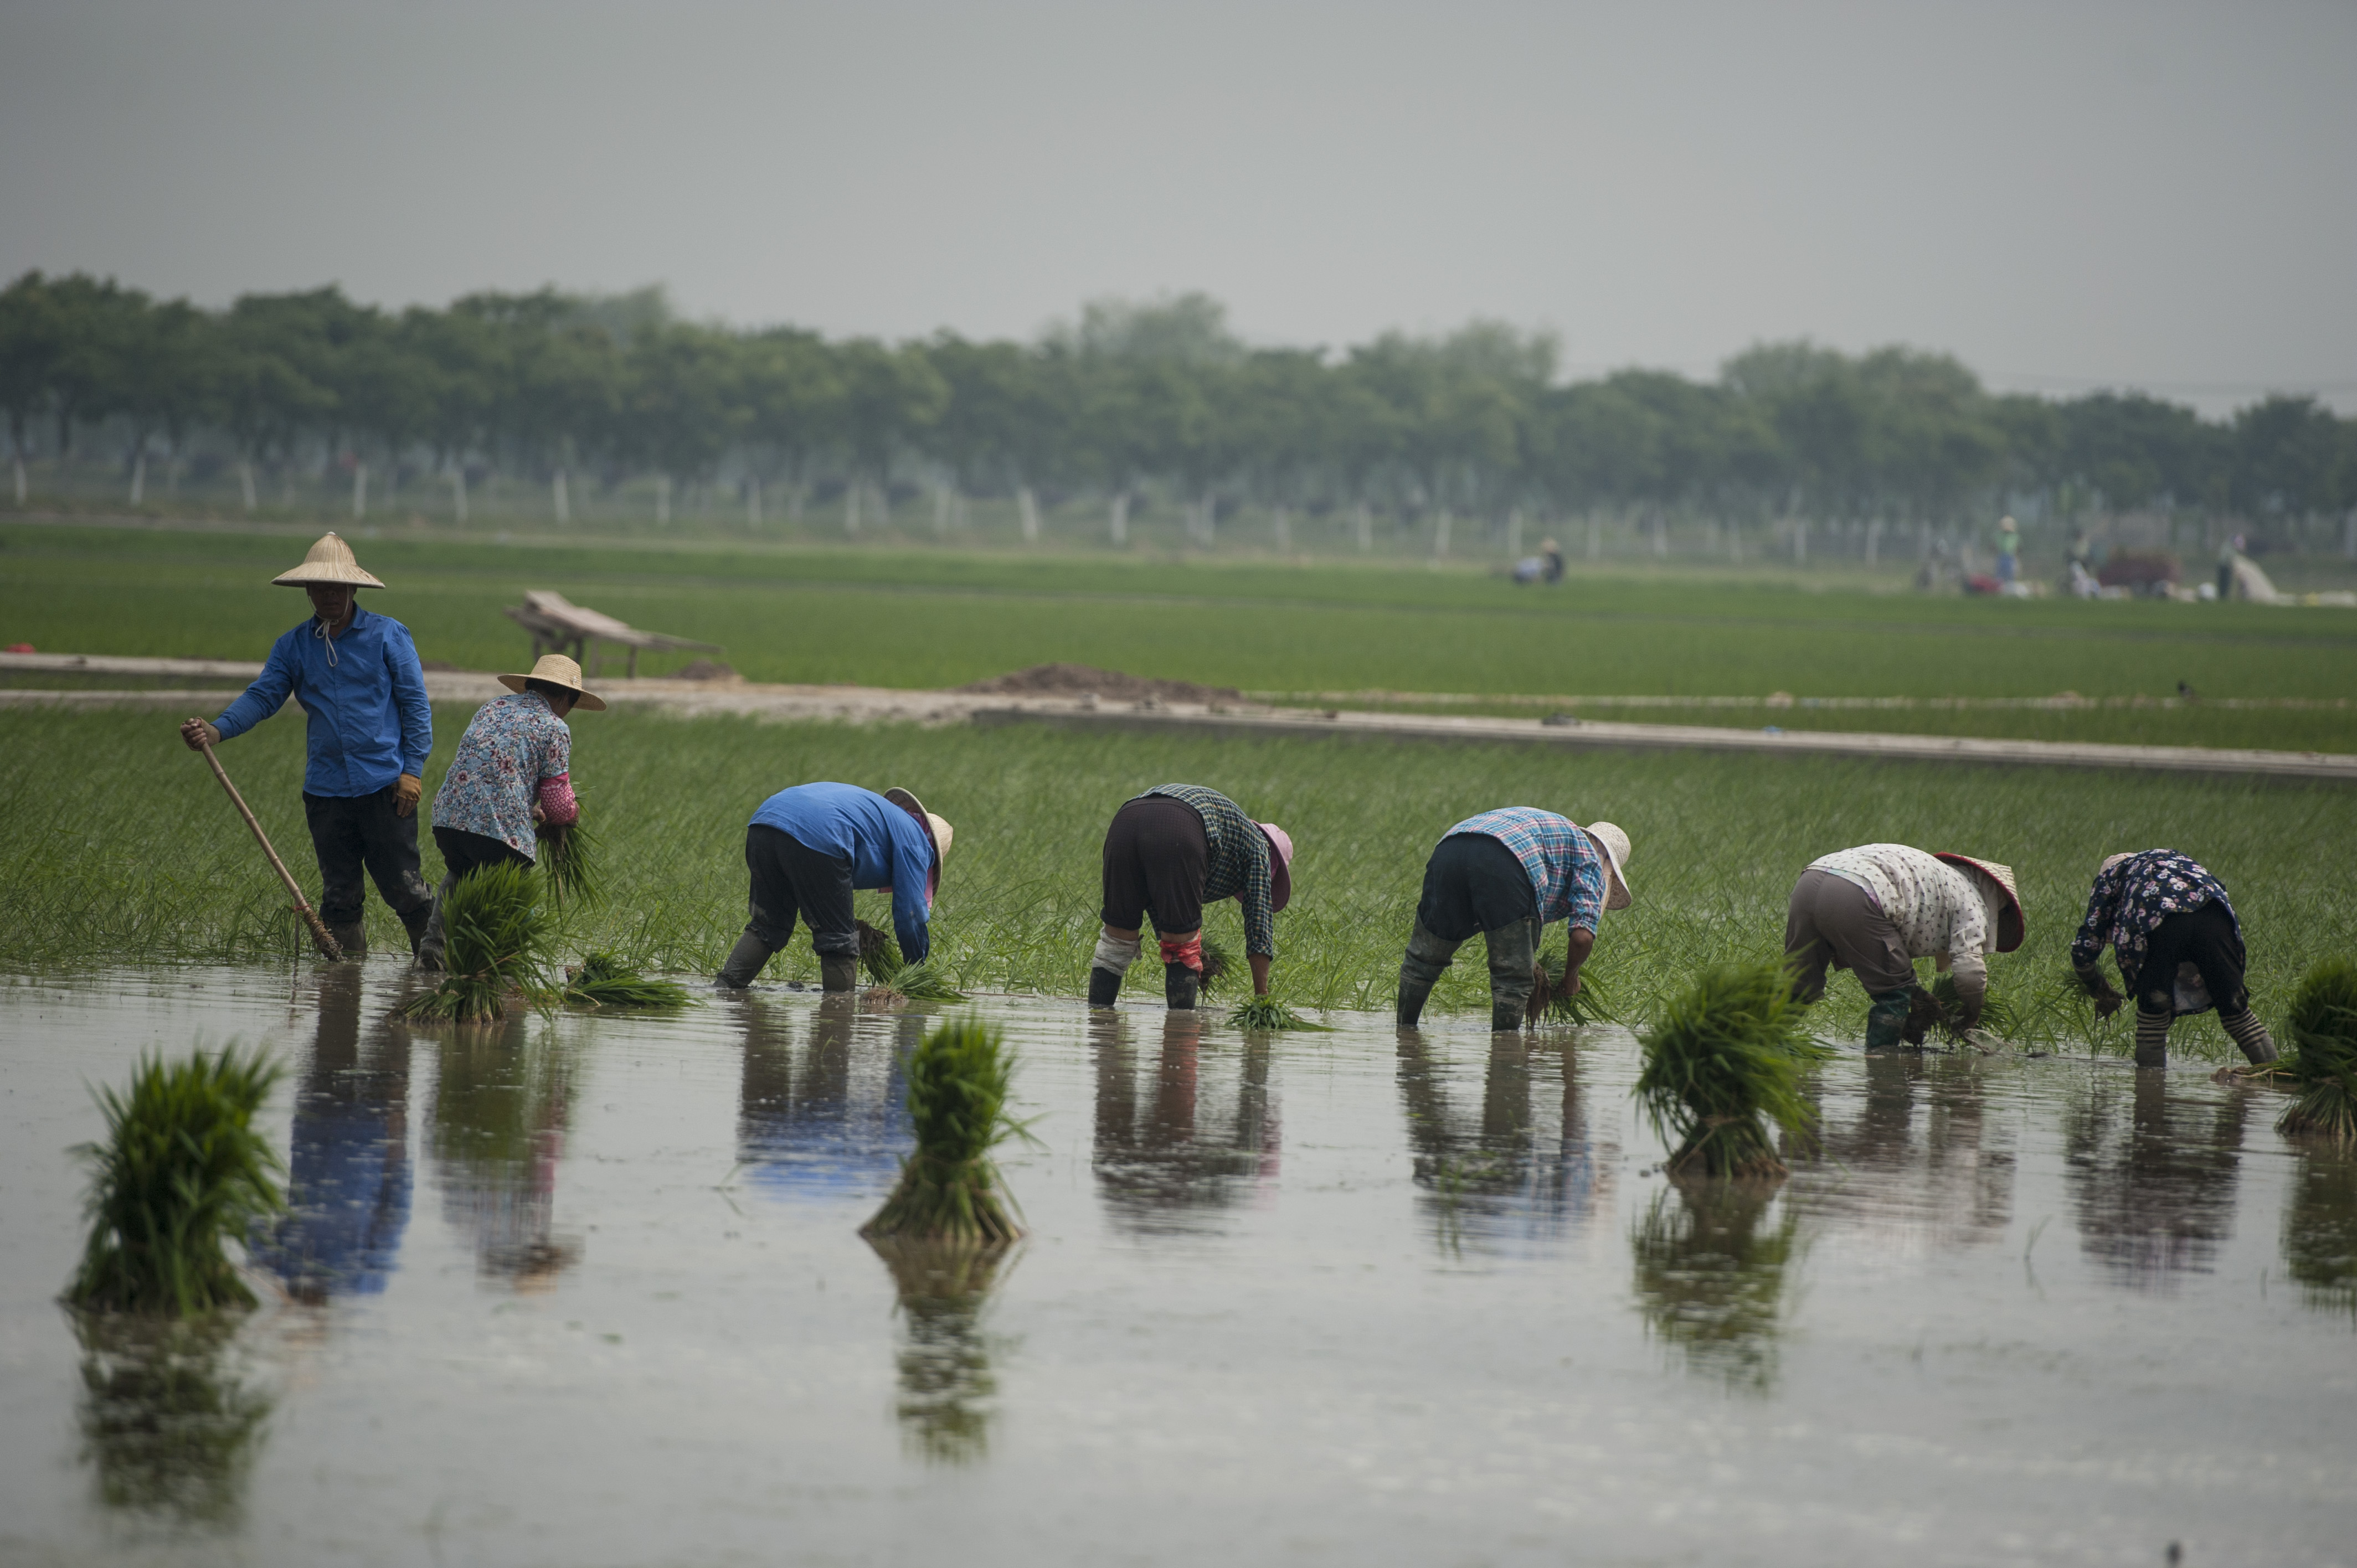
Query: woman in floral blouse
column 2178, row 946
column 513, row 770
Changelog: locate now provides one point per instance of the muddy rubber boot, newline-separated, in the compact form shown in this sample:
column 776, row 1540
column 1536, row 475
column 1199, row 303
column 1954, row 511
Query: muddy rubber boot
column 2251, row 1035
column 1104, row 986
column 838, row 972
column 1886, row 1020
column 746, row 961
column 430, row 943
column 352, row 938
column 1178, row 987
column 1421, row 967
column 416, row 922
column 1413, row 995
column 1513, row 959
column 2151, row 1039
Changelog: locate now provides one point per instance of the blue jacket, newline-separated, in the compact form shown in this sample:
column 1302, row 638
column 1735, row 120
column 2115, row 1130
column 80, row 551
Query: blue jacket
column 369, row 721
column 886, row 845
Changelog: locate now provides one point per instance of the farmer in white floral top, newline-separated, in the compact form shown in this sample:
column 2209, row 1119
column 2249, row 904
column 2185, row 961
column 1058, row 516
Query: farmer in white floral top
column 513, row 770
column 1875, row 909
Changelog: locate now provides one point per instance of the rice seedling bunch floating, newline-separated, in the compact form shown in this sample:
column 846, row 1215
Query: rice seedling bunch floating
column 1261, row 1014
column 181, row 1168
column 1724, row 1060
column 1549, row 1003
column 950, row 1189
column 570, row 858
column 601, row 982
column 2323, row 1065
column 496, row 938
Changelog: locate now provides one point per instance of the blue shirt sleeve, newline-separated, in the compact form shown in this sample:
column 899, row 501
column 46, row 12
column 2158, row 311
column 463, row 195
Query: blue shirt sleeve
column 912, row 859
column 265, row 696
column 409, row 698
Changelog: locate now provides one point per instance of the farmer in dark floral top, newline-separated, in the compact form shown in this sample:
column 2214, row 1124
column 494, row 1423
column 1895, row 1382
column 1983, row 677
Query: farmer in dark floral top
column 2178, row 946
column 1168, row 852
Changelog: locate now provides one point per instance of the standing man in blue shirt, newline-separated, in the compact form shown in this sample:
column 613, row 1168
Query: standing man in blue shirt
column 370, row 731
column 808, row 847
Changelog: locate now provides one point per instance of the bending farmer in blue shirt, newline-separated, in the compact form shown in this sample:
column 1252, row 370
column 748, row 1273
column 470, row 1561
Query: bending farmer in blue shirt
column 370, row 729
column 808, row 847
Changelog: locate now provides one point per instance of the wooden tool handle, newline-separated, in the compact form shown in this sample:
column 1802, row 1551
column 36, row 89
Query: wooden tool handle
column 326, row 944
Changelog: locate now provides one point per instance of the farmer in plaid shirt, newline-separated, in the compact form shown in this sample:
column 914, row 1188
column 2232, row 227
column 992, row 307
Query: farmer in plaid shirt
column 1168, row 852
column 1506, row 873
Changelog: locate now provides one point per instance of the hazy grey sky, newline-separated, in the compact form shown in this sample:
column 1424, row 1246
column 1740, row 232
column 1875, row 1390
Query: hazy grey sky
column 2148, row 194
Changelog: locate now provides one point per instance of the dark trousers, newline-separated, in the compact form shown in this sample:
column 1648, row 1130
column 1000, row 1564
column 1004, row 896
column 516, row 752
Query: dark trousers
column 791, row 877
column 462, row 852
column 1156, row 862
column 2204, row 938
column 1830, row 920
column 1474, row 883
column 350, row 833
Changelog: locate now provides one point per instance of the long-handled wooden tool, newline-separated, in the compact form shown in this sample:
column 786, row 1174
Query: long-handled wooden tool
column 326, row 944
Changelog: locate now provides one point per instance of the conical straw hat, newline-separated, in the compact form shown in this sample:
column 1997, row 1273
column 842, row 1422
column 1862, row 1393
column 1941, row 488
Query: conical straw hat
column 327, row 561
column 2010, row 926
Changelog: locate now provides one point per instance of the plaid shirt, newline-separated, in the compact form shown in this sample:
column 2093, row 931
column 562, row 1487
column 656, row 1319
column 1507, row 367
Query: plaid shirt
column 1566, row 869
column 1239, row 865
column 2133, row 898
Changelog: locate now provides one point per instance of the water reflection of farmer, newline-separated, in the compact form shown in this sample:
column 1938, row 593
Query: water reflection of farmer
column 2320, row 1234
column 1163, row 1158
column 502, row 1101
column 832, row 1123
column 1499, row 1167
column 348, row 1174
column 1939, row 1164
column 2155, row 1197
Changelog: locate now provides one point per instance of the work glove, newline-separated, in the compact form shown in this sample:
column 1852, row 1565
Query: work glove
column 405, row 791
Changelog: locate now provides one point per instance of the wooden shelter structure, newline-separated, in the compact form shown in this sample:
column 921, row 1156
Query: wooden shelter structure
column 559, row 625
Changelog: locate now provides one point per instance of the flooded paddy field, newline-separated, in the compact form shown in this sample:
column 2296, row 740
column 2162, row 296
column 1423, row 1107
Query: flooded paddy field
column 591, row 1291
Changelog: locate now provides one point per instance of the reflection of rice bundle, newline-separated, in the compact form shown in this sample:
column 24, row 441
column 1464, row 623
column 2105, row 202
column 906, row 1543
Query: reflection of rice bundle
column 1723, row 1060
column 958, row 1079
column 2323, row 1065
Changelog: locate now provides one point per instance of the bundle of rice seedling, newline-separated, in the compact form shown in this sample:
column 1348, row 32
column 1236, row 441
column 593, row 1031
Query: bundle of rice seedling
column 895, row 978
column 948, row 1189
column 1723, row 1060
column 601, row 980
column 495, row 938
column 1550, row 1005
column 1946, row 1013
column 1217, row 967
column 569, row 856
column 1263, row 1012
column 2322, row 1028
column 181, row 1168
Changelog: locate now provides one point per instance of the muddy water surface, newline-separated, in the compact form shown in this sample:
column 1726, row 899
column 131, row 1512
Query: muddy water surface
column 590, row 1292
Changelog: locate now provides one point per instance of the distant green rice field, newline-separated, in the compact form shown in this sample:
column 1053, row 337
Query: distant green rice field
column 118, row 847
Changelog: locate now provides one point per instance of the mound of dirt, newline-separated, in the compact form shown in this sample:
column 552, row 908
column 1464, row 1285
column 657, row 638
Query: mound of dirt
column 706, row 670
column 1073, row 680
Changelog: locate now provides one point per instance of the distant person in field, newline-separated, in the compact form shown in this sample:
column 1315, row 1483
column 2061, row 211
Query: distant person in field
column 1168, row 852
column 807, row 849
column 1875, row 909
column 2178, row 946
column 1506, row 874
column 2228, row 554
column 368, row 728
column 2009, row 551
column 1546, row 566
column 512, row 772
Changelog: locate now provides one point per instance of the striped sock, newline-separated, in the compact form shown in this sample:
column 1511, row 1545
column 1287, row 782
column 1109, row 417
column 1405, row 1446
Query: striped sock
column 2151, row 1039
column 2251, row 1034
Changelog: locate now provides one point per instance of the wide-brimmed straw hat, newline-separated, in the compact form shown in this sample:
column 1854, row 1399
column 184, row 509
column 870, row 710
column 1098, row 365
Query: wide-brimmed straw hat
column 2009, row 926
column 329, row 562
column 558, row 671
column 1280, row 866
column 936, row 829
column 1614, row 843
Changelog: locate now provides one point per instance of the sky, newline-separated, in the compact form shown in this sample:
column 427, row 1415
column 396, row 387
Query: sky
column 2066, row 196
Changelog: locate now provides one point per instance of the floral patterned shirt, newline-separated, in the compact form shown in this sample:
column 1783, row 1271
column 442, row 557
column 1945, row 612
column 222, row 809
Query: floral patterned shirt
column 1936, row 907
column 2133, row 898
column 514, row 743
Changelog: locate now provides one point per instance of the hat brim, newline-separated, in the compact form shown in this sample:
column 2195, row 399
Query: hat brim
column 2012, row 928
column 325, row 577
column 1280, row 875
column 908, row 803
column 588, row 701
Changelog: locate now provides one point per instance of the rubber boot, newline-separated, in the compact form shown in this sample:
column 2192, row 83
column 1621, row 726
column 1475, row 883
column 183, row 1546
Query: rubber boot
column 2252, row 1036
column 1886, row 1019
column 746, row 961
column 2151, row 1039
column 1104, row 986
column 1421, row 967
column 1178, row 986
column 838, row 972
column 1513, row 954
column 430, row 942
column 414, row 922
column 352, row 938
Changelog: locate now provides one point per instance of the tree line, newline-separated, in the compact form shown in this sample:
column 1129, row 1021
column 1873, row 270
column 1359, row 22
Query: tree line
column 1126, row 398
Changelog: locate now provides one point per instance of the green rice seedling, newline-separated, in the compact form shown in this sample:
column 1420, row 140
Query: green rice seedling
column 2322, row 1028
column 496, row 938
column 602, row 981
column 1549, row 1004
column 1218, row 965
column 570, row 859
column 1722, row 1061
column 895, row 978
column 1260, row 1013
column 879, row 953
column 950, row 1188
column 181, row 1168
column 1945, row 1012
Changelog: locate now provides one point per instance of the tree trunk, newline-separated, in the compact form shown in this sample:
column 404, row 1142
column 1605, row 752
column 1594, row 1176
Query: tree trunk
column 1440, row 536
column 1284, row 526
column 851, row 508
column 138, row 477
column 1119, row 522
column 360, row 492
column 1515, row 534
column 458, row 493
column 557, row 493
column 940, row 512
column 1366, row 524
column 1028, row 506
column 1594, row 537
column 1800, row 542
column 753, row 502
column 662, row 500
column 1661, row 535
column 1873, row 541
column 245, row 475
